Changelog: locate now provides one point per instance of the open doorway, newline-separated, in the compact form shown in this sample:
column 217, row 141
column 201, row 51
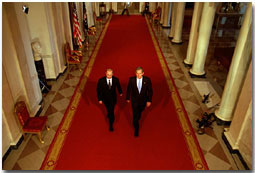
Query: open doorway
column 133, row 8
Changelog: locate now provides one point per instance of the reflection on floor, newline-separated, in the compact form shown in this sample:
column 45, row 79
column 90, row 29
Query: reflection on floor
column 57, row 100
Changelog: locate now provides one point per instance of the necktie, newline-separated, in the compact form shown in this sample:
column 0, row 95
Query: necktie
column 139, row 85
column 109, row 84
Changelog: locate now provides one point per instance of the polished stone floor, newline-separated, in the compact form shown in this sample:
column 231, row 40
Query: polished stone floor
column 30, row 154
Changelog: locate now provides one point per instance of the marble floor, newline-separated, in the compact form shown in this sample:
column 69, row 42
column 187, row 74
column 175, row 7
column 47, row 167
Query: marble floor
column 57, row 100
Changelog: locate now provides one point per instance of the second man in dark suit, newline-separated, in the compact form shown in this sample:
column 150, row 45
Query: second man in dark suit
column 106, row 93
column 140, row 91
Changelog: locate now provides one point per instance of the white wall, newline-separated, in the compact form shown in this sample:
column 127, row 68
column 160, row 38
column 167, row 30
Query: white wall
column 46, row 22
column 6, row 135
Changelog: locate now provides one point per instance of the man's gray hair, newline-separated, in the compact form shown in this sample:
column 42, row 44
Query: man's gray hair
column 139, row 68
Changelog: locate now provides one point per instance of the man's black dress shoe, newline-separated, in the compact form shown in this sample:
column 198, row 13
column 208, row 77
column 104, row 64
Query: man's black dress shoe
column 136, row 134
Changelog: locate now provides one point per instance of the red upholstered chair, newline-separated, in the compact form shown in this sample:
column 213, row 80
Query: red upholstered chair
column 92, row 31
column 34, row 125
column 156, row 15
column 72, row 57
column 97, row 19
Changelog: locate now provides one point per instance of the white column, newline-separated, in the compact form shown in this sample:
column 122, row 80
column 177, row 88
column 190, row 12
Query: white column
column 89, row 14
column 22, row 43
column 10, row 122
column 173, row 16
column 115, row 6
column 166, row 21
column 58, row 32
column 179, row 22
column 162, row 12
column 141, row 5
column 107, row 6
column 67, row 24
column 97, row 9
column 194, row 33
column 238, row 69
column 205, row 29
column 152, row 6
column 7, row 136
column 51, row 60
column 239, row 134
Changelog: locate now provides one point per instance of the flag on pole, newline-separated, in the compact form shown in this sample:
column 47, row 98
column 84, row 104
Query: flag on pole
column 85, row 17
column 76, row 27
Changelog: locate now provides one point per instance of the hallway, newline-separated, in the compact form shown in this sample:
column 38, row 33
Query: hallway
column 57, row 100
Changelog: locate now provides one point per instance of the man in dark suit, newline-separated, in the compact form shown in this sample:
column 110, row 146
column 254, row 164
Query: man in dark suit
column 126, row 5
column 140, row 90
column 106, row 93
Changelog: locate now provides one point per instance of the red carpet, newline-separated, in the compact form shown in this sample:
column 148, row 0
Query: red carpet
column 166, row 141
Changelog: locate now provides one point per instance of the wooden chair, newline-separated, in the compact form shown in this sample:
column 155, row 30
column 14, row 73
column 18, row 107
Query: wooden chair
column 97, row 19
column 92, row 31
column 72, row 57
column 156, row 15
column 34, row 125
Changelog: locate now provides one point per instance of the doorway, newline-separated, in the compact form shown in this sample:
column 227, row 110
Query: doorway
column 133, row 8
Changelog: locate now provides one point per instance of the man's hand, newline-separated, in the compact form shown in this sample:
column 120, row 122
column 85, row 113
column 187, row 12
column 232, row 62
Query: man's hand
column 121, row 95
column 100, row 102
column 148, row 104
column 128, row 101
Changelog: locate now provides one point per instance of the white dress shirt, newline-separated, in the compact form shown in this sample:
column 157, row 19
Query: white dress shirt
column 137, row 81
column 107, row 81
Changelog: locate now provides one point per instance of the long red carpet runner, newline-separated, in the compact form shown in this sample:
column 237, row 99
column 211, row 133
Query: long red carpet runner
column 166, row 140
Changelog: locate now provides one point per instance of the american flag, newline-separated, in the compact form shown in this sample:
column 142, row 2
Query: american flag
column 85, row 18
column 76, row 27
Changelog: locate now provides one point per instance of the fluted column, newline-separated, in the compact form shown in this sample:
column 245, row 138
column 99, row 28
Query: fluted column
column 97, row 9
column 90, row 16
column 179, row 22
column 238, row 69
column 115, row 6
column 152, row 6
column 141, row 6
column 162, row 12
column 205, row 30
column 243, row 106
column 107, row 6
column 239, row 134
column 20, row 67
column 193, row 33
column 173, row 15
column 67, row 24
column 166, row 21
column 60, row 36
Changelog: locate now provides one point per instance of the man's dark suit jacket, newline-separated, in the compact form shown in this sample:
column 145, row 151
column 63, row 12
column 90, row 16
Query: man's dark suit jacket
column 146, row 91
column 103, row 92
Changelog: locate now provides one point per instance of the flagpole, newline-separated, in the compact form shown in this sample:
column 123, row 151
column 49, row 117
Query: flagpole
column 76, row 27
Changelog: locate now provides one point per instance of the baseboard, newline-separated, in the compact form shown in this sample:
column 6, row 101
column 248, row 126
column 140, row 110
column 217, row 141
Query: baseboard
column 165, row 27
column 197, row 76
column 63, row 70
column 234, row 151
column 12, row 147
column 55, row 79
column 187, row 65
column 40, row 110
